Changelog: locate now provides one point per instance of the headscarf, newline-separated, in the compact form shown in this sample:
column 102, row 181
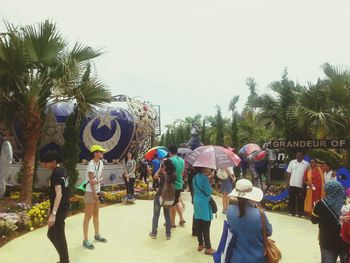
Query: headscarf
column 335, row 196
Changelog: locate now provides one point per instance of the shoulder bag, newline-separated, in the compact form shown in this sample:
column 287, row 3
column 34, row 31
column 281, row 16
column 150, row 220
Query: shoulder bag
column 212, row 202
column 272, row 252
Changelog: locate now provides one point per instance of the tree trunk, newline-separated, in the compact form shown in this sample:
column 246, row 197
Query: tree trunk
column 32, row 133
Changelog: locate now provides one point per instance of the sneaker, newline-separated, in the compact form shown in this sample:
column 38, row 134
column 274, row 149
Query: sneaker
column 168, row 237
column 290, row 214
column 224, row 212
column 100, row 239
column 132, row 200
column 153, row 236
column 88, row 245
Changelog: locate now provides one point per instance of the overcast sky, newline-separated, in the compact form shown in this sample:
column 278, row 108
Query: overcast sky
column 189, row 55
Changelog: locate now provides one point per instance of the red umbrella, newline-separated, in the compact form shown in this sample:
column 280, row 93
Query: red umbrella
column 213, row 157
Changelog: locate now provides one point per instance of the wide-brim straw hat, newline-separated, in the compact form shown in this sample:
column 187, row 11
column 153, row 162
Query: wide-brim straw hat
column 245, row 189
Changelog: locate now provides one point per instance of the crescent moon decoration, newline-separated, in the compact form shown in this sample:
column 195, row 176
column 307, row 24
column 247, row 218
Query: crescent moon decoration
column 109, row 144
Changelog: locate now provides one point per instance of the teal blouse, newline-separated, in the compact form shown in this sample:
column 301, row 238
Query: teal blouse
column 202, row 193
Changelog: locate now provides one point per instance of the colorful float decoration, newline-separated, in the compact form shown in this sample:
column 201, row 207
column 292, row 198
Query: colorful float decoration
column 123, row 124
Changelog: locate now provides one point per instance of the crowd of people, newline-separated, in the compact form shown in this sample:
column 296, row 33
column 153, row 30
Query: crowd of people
column 313, row 192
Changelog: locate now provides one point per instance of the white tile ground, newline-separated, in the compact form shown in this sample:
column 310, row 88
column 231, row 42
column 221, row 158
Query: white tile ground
column 127, row 228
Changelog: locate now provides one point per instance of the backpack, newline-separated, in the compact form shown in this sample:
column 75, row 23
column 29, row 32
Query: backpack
column 167, row 195
column 222, row 174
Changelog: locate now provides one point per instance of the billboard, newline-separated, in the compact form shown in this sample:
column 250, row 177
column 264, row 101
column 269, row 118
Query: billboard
column 157, row 125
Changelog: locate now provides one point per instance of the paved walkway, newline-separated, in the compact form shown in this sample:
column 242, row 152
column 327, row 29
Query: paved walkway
column 127, row 228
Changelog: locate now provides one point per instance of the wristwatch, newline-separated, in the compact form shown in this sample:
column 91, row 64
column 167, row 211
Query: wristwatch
column 54, row 213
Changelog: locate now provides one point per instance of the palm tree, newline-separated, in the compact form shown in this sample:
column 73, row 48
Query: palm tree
column 36, row 69
column 220, row 127
column 273, row 110
column 323, row 109
column 88, row 94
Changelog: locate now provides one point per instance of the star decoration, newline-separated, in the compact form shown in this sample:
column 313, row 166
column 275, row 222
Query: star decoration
column 52, row 131
column 105, row 120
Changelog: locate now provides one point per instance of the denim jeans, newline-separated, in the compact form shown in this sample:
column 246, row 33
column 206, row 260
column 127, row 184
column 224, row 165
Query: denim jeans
column 156, row 214
column 130, row 188
column 330, row 256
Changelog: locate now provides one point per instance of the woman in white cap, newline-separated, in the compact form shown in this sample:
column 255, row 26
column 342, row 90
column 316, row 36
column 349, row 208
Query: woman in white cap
column 245, row 223
column 91, row 197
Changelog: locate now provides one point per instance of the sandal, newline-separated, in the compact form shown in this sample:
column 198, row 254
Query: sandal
column 209, row 251
column 101, row 239
column 88, row 245
column 182, row 223
column 200, row 248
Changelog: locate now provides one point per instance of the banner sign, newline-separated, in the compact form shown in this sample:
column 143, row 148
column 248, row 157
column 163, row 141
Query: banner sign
column 288, row 144
column 157, row 125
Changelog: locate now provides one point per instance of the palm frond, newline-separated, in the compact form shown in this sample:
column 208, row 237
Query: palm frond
column 83, row 53
column 43, row 43
column 233, row 103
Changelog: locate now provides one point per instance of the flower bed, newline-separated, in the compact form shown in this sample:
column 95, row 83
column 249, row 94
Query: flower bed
column 279, row 205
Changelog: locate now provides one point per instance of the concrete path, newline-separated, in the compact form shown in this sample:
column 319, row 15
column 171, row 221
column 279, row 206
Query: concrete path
column 127, row 228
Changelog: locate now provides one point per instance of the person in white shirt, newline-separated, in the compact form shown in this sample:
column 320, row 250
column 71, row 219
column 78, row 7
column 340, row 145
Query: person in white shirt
column 295, row 171
column 91, row 197
column 130, row 177
column 329, row 175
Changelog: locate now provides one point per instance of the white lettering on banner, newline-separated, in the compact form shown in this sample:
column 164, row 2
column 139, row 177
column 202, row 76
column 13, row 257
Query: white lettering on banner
column 323, row 144
column 296, row 144
column 334, row 143
column 275, row 144
column 281, row 157
column 342, row 143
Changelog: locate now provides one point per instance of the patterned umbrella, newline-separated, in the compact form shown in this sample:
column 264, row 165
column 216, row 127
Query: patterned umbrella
column 248, row 149
column 213, row 157
column 161, row 151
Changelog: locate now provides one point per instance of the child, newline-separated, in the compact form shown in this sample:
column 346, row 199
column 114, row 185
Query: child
column 58, row 191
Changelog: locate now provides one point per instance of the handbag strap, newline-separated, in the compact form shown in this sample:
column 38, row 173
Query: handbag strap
column 263, row 222
column 200, row 188
column 331, row 211
column 96, row 170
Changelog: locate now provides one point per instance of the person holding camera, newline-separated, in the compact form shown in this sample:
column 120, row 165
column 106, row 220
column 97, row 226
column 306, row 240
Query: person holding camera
column 93, row 195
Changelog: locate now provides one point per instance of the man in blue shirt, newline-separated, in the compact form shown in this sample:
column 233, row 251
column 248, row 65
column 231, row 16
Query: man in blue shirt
column 155, row 165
